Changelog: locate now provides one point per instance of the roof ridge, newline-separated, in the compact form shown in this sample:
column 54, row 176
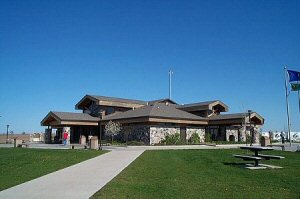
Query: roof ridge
column 117, row 98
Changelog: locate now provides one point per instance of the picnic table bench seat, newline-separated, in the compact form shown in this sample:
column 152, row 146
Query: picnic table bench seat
column 247, row 157
column 268, row 157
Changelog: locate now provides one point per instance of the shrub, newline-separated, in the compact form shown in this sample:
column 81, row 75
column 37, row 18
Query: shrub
column 135, row 143
column 195, row 138
column 208, row 137
column 172, row 139
column 231, row 142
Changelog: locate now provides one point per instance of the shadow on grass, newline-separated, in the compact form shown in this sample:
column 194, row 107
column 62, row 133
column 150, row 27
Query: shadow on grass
column 234, row 164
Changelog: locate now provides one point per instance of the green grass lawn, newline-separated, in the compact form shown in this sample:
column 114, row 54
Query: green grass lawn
column 18, row 165
column 204, row 174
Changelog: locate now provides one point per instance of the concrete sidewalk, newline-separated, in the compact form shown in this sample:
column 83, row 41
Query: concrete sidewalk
column 78, row 181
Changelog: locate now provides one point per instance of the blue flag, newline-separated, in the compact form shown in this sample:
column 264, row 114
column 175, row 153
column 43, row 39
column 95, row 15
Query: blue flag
column 294, row 75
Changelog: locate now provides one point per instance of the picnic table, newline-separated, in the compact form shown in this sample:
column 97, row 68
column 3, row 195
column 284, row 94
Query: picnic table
column 257, row 157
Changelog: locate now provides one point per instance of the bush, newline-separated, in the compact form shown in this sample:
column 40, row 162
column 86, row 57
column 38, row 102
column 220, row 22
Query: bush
column 135, row 143
column 194, row 139
column 208, row 137
column 173, row 139
column 248, row 138
column 231, row 142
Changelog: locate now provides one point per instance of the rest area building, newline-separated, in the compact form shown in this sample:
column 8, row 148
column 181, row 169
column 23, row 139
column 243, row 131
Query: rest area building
column 150, row 121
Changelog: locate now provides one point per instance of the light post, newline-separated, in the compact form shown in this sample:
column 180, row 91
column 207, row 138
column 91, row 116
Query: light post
column 100, row 129
column 100, row 136
column 251, row 132
column 7, row 126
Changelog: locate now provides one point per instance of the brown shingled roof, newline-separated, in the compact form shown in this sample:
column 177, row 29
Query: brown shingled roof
column 236, row 116
column 228, row 116
column 115, row 99
column 157, row 110
column 67, row 116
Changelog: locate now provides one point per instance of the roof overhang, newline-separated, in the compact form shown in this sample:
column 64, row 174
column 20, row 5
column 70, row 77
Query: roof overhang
column 158, row 120
column 87, row 100
column 254, row 117
column 214, row 105
column 53, row 120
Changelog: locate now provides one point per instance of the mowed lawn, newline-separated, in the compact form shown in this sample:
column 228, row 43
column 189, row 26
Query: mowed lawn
column 204, row 174
column 18, row 165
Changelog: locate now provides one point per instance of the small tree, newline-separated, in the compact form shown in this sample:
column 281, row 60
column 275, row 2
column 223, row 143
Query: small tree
column 112, row 129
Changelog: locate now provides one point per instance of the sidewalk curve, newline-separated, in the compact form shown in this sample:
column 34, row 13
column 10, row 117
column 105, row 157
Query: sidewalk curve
column 80, row 181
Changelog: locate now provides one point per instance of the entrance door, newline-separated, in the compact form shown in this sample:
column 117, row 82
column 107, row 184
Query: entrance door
column 183, row 134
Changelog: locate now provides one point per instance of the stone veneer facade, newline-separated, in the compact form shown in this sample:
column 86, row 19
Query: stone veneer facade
column 240, row 135
column 230, row 131
column 158, row 133
column 155, row 134
column 200, row 131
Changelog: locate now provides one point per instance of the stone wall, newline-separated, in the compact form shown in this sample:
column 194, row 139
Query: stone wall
column 240, row 134
column 158, row 133
column 199, row 131
column 231, row 131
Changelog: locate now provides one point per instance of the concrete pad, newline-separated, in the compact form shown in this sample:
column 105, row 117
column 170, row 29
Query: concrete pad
column 270, row 166
column 252, row 167
column 78, row 181
column 261, row 166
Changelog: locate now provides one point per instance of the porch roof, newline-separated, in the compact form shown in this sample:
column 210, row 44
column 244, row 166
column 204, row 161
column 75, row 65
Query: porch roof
column 237, row 117
column 108, row 101
column 54, row 118
column 201, row 106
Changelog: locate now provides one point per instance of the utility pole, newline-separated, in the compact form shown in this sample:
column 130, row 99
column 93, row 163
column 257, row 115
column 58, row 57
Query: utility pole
column 170, row 83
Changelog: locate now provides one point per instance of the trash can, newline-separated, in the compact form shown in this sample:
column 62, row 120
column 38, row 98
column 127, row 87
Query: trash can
column 94, row 143
column 17, row 142
column 82, row 140
column 264, row 141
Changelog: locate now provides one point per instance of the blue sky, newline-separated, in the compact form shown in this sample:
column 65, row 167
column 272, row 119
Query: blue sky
column 52, row 53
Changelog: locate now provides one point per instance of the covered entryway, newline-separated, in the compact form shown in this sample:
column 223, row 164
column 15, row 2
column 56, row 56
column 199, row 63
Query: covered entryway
column 77, row 124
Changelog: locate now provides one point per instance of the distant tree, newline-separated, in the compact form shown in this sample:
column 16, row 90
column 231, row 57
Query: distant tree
column 23, row 133
column 112, row 129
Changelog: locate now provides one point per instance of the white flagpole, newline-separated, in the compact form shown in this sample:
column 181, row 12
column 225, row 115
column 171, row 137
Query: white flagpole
column 299, row 101
column 170, row 83
column 287, row 106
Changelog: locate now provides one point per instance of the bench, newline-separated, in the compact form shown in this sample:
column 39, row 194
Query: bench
column 247, row 157
column 268, row 157
column 277, row 145
column 23, row 144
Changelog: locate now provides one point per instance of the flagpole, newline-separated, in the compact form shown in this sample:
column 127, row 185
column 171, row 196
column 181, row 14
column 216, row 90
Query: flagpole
column 299, row 101
column 287, row 105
